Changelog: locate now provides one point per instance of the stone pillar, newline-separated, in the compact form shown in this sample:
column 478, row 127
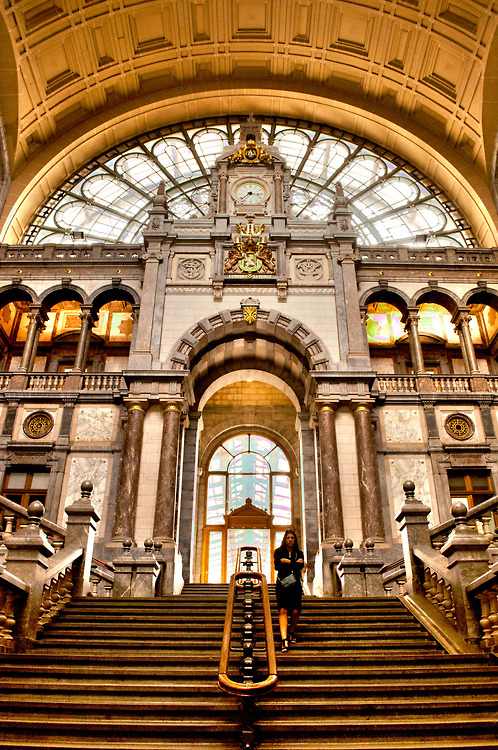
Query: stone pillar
column 414, row 530
column 358, row 348
column 37, row 318
column 144, row 327
column 461, row 321
column 39, row 329
column 368, row 473
column 188, row 501
column 168, row 463
column 126, row 499
column 333, row 526
column 410, row 320
column 279, row 209
column 82, row 519
column 87, row 320
column 222, row 205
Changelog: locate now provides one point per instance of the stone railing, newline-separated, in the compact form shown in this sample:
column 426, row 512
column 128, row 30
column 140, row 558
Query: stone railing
column 434, row 383
column 451, row 572
column 13, row 516
column 59, row 381
column 101, row 382
column 45, row 381
column 36, row 581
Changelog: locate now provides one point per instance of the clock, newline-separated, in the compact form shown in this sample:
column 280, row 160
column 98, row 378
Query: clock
column 250, row 193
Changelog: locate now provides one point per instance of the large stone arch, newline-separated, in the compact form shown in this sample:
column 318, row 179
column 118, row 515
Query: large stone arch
column 389, row 294
column 274, row 341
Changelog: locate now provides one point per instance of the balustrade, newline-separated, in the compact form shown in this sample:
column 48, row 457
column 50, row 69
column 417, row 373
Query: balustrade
column 45, row 381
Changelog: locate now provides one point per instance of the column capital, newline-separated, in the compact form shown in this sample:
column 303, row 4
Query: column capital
column 322, row 406
column 461, row 317
column 171, row 404
column 141, row 404
column 147, row 257
column 411, row 315
column 361, row 406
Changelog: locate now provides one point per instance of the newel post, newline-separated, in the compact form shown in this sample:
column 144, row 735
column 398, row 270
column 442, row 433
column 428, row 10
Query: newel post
column 467, row 553
column 82, row 519
column 28, row 559
column 414, row 528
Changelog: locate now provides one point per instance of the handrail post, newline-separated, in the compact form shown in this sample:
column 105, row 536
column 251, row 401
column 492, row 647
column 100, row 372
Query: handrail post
column 27, row 559
column 468, row 558
column 414, row 528
column 82, row 519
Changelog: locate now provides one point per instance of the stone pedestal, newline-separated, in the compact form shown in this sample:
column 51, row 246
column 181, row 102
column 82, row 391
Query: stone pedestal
column 360, row 574
column 123, row 571
column 145, row 573
column 414, row 529
column 82, row 519
column 170, row 578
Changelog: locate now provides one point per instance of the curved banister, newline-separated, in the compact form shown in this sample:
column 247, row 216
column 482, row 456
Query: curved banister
column 224, row 681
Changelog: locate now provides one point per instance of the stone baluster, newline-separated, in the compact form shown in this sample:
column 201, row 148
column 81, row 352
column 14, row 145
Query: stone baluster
column 126, row 497
column 368, row 474
column 329, row 464
column 28, row 553
column 410, row 320
column 145, row 572
column 467, row 553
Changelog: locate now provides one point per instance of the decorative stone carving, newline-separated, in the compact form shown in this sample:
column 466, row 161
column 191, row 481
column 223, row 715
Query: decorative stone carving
column 309, row 269
column 38, row 425
column 192, row 269
column 459, row 426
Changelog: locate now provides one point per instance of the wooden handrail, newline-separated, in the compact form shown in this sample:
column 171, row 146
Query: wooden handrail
column 224, row 681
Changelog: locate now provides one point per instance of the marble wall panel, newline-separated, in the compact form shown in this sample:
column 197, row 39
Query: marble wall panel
column 409, row 467
column 82, row 468
column 95, row 424
column 402, row 425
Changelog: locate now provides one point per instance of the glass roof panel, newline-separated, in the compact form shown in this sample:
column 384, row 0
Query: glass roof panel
column 108, row 199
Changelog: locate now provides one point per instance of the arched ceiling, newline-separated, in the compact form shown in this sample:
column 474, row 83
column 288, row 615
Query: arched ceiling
column 407, row 74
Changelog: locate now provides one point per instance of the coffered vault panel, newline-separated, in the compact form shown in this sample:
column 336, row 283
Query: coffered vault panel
column 391, row 201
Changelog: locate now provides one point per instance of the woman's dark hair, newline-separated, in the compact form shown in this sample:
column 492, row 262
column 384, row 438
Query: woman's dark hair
column 289, row 531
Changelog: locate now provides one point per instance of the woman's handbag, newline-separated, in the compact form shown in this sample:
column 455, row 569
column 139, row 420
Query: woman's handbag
column 288, row 581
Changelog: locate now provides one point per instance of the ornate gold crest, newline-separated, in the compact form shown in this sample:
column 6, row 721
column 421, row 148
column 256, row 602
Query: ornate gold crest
column 250, row 154
column 250, row 253
column 250, row 314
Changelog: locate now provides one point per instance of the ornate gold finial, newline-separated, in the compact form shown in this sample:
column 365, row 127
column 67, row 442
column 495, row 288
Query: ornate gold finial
column 251, row 154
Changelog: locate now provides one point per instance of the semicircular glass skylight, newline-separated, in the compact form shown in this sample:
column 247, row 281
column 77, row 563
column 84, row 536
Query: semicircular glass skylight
column 391, row 201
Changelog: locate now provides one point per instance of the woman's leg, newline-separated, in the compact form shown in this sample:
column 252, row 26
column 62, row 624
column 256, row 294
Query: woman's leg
column 282, row 621
column 293, row 622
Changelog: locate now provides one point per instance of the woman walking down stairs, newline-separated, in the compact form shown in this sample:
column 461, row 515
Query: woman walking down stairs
column 141, row 674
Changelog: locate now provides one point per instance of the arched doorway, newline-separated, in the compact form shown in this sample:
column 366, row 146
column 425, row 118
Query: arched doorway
column 249, row 501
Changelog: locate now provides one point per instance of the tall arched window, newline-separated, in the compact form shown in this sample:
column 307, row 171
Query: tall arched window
column 248, row 503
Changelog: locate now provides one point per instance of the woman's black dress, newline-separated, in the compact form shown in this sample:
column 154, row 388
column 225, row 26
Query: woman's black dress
column 289, row 598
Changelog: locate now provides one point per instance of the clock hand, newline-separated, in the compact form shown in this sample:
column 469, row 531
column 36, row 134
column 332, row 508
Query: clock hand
column 243, row 197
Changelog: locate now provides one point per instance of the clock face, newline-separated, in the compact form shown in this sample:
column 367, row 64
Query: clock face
column 250, row 193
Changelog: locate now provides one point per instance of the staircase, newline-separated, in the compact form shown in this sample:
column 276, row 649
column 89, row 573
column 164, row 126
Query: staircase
column 141, row 674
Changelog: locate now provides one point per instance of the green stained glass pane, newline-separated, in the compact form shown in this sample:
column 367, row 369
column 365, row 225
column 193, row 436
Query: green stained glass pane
column 257, row 487
column 215, row 557
column 215, row 510
column 220, row 460
column 261, row 445
column 252, row 538
column 248, row 463
column 277, row 460
column 281, row 499
column 237, row 444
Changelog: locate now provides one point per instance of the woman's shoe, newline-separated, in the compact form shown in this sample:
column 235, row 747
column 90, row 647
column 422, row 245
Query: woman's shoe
column 285, row 644
column 292, row 638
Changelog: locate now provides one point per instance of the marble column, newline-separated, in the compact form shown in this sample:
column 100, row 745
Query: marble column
column 222, row 205
column 368, row 474
column 34, row 348
column 87, row 321
column 462, row 326
column 126, row 498
column 410, row 320
column 37, row 319
column 164, row 519
column 333, row 526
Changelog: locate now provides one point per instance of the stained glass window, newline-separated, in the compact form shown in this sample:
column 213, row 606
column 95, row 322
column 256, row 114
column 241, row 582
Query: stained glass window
column 391, row 201
column 248, row 466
